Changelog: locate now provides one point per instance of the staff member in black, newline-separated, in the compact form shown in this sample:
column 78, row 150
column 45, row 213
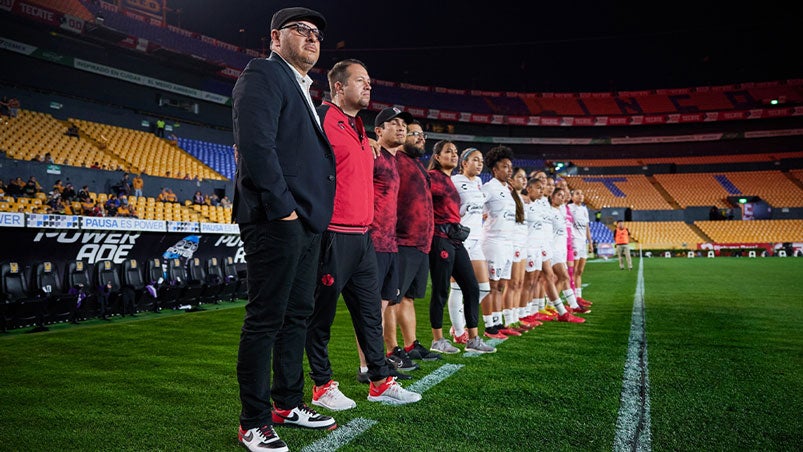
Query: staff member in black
column 283, row 200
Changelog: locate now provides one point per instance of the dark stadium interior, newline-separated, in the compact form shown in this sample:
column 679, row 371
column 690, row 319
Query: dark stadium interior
column 468, row 74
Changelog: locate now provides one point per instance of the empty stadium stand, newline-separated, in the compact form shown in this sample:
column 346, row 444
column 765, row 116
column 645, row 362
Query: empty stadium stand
column 663, row 235
column 218, row 156
column 633, row 191
column 754, row 231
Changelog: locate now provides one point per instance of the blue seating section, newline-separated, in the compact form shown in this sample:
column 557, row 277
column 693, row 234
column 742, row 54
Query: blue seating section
column 600, row 233
column 219, row 157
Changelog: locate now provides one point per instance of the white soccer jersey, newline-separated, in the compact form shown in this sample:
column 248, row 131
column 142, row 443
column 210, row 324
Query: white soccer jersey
column 501, row 210
column 545, row 213
column 580, row 223
column 472, row 202
column 558, row 220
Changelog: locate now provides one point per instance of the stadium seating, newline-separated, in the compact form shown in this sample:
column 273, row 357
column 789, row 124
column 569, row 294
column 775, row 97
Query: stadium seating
column 111, row 298
column 233, row 276
column 78, row 276
column 753, row 231
column 22, row 308
column 772, row 186
column 61, row 306
column 132, row 279
column 690, row 160
column 634, row 191
column 600, row 233
column 663, row 235
column 71, row 7
column 145, row 152
column 694, row 189
column 218, row 156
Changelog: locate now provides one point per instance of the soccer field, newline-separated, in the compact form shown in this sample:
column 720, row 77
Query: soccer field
column 724, row 357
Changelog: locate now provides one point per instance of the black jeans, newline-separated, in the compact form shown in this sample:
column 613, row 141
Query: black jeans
column 348, row 266
column 281, row 259
column 450, row 259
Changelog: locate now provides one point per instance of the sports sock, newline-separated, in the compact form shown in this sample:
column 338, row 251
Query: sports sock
column 507, row 316
column 497, row 319
column 558, row 305
column 569, row 295
column 455, row 304
column 540, row 303
column 363, row 370
column 578, row 292
column 485, row 289
column 488, row 320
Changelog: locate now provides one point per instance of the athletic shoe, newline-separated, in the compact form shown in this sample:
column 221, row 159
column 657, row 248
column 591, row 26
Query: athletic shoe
column 530, row 322
column 304, row 417
column 521, row 328
column 362, row 377
column 462, row 339
column 542, row 317
column 329, row 396
column 493, row 333
column 583, row 302
column 477, row 345
column 401, row 360
column 443, row 346
column 568, row 317
column 261, row 439
column 391, row 392
column 580, row 310
column 551, row 310
column 507, row 331
column 419, row 352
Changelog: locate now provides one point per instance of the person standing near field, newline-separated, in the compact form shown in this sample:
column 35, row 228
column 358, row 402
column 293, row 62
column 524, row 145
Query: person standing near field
column 621, row 237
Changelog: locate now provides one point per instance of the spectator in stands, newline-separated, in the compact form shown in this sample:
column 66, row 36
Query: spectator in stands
column 2, row 187
column 15, row 187
column 160, row 128
column 31, row 188
column 124, row 186
column 72, row 131
column 54, row 202
column 13, row 107
column 198, row 198
column 281, row 219
column 171, row 197
column 58, row 186
column 124, row 209
column 4, row 109
column 213, row 200
column 187, row 176
column 95, row 165
column 622, row 238
column 48, row 159
column 68, row 194
column 225, row 202
column 36, row 158
column 111, row 206
column 173, row 139
column 137, row 184
column 83, row 194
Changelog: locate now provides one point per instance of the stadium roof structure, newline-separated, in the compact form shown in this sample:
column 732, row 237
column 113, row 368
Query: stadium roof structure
column 578, row 46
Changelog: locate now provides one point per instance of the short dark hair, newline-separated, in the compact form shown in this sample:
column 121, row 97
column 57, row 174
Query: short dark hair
column 340, row 71
column 497, row 153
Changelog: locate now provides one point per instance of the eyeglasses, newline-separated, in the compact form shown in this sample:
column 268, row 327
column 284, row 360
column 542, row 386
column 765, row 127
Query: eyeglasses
column 305, row 30
column 417, row 134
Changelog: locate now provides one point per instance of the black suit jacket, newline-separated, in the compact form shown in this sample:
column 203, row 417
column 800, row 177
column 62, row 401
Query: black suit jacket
column 285, row 161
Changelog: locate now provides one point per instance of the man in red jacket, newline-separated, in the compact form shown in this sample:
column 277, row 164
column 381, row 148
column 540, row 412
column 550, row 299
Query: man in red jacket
column 348, row 260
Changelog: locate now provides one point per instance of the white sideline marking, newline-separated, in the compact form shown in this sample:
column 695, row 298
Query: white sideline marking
column 341, row 435
column 633, row 422
column 491, row 342
column 440, row 374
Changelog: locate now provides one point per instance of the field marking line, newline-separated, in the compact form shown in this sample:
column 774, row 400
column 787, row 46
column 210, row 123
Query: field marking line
column 341, row 435
column 633, row 422
column 435, row 377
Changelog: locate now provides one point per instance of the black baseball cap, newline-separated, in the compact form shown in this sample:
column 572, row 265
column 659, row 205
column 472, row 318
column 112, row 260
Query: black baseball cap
column 282, row 16
column 390, row 113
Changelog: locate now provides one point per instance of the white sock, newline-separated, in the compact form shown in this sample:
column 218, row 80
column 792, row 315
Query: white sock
column 569, row 295
column 558, row 305
column 363, row 369
column 485, row 289
column 455, row 304
column 533, row 306
column 540, row 303
column 488, row 320
column 497, row 318
column 578, row 292
column 522, row 312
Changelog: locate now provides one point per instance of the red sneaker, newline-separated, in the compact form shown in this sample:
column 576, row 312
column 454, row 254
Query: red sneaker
column 462, row 339
column 568, row 317
column 543, row 317
column 583, row 303
column 531, row 323
column 509, row 331
column 492, row 335
column 581, row 310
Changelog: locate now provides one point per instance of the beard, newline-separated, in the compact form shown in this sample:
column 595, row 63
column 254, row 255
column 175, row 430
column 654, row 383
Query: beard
column 413, row 151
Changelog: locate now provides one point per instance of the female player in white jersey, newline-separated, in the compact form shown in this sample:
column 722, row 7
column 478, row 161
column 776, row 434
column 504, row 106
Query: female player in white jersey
column 536, row 253
column 581, row 238
column 500, row 219
column 472, row 203
column 559, row 251
column 513, row 324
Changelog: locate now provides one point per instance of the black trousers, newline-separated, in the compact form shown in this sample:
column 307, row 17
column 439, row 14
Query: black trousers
column 450, row 259
column 281, row 259
column 348, row 266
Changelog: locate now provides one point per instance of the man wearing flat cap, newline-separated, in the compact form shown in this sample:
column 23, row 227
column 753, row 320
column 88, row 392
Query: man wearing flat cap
column 283, row 200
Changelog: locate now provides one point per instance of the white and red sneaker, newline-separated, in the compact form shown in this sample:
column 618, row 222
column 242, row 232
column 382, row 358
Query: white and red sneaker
column 391, row 393
column 568, row 317
column 261, row 439
column 329, row 396
column 304, row 417
column 462, row 339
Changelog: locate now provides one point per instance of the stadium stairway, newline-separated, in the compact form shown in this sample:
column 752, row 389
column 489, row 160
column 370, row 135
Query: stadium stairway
column 700, row 232
column 664, row 193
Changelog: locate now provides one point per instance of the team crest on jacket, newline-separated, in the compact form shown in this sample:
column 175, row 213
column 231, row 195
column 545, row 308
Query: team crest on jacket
column 444, row 254
column 327, row 280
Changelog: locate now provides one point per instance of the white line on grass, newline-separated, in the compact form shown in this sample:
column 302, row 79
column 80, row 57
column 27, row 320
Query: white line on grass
column 440, row 374
column 341, row 435
column 633, row 423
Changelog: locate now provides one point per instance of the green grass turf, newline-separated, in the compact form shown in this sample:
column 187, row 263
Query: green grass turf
column 723, row 342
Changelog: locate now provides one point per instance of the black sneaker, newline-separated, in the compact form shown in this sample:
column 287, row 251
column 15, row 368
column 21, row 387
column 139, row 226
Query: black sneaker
column 419, row 352
column 362, row 377
column 400, row 360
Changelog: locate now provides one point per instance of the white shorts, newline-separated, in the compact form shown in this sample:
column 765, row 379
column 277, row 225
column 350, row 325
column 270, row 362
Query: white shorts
column 499, row 256
column 559, row 251
column 580, row 249
column 535, row 260
column 474, row 248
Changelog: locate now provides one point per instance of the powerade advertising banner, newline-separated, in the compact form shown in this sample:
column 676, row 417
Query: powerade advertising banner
column 30, row 246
